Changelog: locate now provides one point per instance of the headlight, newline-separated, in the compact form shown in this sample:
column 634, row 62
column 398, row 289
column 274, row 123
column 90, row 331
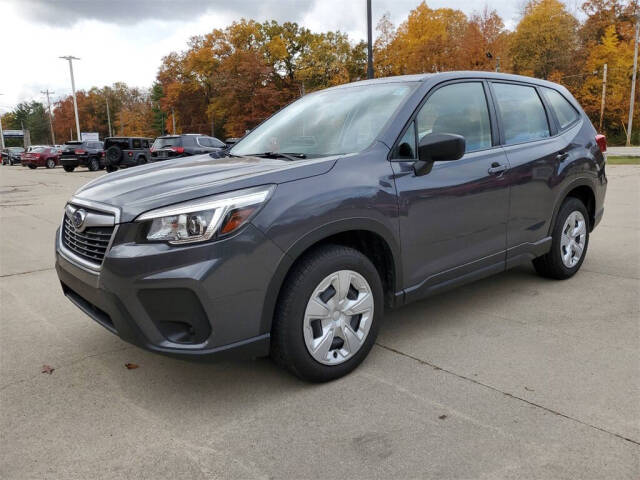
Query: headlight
column 202, row 219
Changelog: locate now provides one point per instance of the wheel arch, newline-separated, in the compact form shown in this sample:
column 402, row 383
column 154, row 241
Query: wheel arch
column 582, row 189
column 369, row 237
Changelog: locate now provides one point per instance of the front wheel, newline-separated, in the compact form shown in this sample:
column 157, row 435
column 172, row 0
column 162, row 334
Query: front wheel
column 328, row 314
column 51, row 163
column 68, row 168
column 570, row 240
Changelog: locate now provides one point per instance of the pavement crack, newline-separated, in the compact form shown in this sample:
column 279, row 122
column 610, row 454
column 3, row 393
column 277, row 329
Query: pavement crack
column 27, row 272
column 507, row 394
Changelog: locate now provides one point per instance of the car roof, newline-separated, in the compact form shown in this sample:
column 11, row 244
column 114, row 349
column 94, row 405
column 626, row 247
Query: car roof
column 453, row 75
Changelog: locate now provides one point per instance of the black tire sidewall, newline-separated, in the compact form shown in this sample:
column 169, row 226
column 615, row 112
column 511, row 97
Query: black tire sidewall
column 93, row 165
column 50, row 163
column 68, row 168
column 113, row 155
column 569, row 206
column 298, row 289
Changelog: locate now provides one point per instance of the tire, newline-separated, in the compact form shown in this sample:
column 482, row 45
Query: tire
column 142, row 160
column 93, row 165
column 113, row 155
column 32, row 166
column 10, row 162
column 111, row 168
column 570, row 233
column 295, row 332
column 51, row 163
column 68, row 168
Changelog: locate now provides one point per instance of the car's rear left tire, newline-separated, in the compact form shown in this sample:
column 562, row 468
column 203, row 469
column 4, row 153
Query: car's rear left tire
column 93, row 165
column 51, row 163
column 68, row 168
column 570, row 239
column 32, row 166
column 328, row 314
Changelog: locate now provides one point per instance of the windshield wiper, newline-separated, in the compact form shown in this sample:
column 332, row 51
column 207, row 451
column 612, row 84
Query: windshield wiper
column 288, row 156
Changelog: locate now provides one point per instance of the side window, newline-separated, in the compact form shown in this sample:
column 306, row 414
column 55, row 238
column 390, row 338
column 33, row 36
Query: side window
column 136, row 143
column 564, row 111
column 523, row 116
column 406, row 147
column 145, row 143
column 459, row 108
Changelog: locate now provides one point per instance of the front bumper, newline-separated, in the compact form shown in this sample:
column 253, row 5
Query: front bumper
column 203, row 301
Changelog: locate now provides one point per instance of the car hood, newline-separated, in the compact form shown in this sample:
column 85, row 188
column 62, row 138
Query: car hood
column 146, row 187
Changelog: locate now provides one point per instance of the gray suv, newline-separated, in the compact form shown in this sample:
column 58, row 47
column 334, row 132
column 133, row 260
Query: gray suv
column 348, row 202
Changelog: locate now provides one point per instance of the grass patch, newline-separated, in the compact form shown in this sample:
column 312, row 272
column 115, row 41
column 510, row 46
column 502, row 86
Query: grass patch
column 611, row 160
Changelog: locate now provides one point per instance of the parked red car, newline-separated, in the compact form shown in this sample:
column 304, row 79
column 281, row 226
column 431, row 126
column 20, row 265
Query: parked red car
column 42, row 157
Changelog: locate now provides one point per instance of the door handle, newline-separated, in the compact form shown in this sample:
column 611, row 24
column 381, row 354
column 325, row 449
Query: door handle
column 496, row 168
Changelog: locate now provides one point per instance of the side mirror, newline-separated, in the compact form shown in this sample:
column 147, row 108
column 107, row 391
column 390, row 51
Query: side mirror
column 438, row 147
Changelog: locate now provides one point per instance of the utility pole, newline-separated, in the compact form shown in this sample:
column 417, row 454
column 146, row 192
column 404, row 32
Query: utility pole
column 173, row 118
column 47, row 93
column 633, row 82
column 497, row 64
column 108, row 117
column 70, row 59
column 604, row 94
column 369, row 42
column 1, row 132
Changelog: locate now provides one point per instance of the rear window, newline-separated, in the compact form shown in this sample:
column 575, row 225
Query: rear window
column 123, row 143
column 522, row 113
column 163, row 142
column 564, row 111
column 210, row 142
column 38, row 150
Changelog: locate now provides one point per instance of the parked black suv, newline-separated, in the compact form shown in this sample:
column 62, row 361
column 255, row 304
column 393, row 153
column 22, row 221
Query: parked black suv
column 349, row 201
column 85, row 154
column 173, row 146
column 122, row 152
column 12, row 155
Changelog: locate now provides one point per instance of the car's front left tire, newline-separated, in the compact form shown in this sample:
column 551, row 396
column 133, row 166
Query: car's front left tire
column 328, row 314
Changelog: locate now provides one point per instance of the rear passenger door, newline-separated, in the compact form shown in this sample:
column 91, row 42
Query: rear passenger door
column 534, row 150
column 453, row 219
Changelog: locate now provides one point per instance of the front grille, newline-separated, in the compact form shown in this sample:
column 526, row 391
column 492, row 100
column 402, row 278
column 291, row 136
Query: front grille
column 90, row 244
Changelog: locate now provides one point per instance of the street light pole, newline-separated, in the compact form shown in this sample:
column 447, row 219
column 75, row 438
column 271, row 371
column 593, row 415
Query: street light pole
column 633, row 83
column 369, row 42
column 73, row 90
column 47, row 93
column 108, row 117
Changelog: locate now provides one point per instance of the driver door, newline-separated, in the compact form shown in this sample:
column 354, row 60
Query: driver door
column 453, row 219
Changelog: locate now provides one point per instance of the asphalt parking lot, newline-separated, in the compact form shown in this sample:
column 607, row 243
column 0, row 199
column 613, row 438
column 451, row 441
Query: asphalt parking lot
column 511, row 377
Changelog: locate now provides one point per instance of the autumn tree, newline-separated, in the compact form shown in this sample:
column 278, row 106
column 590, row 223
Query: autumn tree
column 545, row 40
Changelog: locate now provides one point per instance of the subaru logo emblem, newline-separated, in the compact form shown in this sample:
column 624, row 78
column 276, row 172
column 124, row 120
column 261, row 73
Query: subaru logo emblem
column 78, row 218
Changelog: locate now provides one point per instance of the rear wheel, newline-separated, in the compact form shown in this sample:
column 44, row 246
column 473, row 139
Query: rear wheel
column 68, row 168
column 51, row 163
column 328, row 314
column 142, row 160
column 570, row 240
column 32, row 166
column 113, row 155
column 111, row 168
column 93, row 165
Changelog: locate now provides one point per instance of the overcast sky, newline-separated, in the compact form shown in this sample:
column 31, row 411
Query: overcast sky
column 124, row 40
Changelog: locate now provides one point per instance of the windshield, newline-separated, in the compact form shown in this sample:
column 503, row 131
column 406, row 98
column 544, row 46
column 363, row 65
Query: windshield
column 330, row 122
column 162, row 142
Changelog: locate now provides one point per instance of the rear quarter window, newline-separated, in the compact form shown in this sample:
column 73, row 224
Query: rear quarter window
column 565, row 112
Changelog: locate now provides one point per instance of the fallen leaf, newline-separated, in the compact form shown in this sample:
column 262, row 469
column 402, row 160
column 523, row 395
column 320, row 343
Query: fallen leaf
column 131, row 366
column 47, row 369
column 442, row 417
